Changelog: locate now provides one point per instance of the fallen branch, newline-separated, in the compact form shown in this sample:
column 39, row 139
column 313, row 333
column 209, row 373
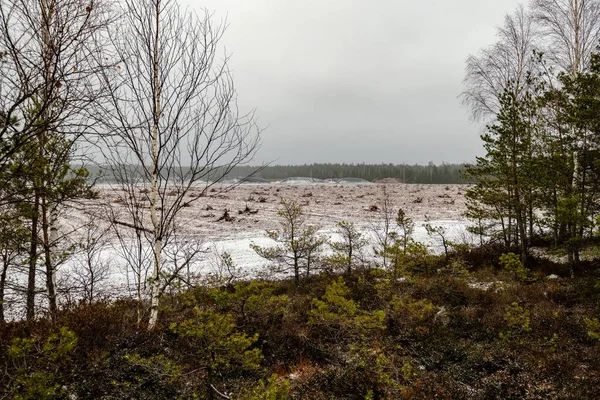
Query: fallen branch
column 132, row 226
column 219, row 393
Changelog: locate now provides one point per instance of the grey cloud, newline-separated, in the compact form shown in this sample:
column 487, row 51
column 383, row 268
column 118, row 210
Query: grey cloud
column 353, row 81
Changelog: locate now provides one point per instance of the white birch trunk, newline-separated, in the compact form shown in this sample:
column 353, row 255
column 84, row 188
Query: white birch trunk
column 156, row 223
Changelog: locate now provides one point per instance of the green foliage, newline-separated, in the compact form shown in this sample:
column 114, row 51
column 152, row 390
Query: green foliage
column 339, row 315
column 217, row 343
column 274, row 388
column 405, row 223
column 342, row 347
column 551, row 342
column 541, row 162
column 51, row 173
column 456, row 267
column 401, row 252
column 337, row 262
column 300, row 244
column 415, row 309
column 157, row 365
column 517, row 320
column 408, row 258
column 37, row 385
column 254, row 301
column 156, row 374
column 512, row 263
column 384, row 374
column 40, row 373
column 505, row 177
column 348, row 251
column 593, row 326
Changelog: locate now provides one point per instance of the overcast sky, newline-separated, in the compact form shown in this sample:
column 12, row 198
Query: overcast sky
column 358, row 80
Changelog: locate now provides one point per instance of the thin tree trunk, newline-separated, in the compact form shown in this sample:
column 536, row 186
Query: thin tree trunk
column 510, row 222
column 504, row 228
column 556, row 225
column 139, row 280
column 5, row 264
column 47, row 243
column 521, row 237
column 154, row 189
column 47, row 13
column 530, row 214
column 33, row 259
column 350, row 259
column 296, row 269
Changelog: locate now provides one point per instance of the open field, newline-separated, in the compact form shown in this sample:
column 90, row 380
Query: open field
column 252, row 209
column 324, row 204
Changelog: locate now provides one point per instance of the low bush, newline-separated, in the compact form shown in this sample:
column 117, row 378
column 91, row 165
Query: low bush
column 370, row 334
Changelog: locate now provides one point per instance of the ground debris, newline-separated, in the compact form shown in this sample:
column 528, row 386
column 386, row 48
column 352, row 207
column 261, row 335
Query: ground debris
column 247, row 211
column 226, row 217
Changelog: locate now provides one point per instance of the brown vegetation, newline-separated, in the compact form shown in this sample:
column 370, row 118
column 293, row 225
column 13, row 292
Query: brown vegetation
column 479, row 334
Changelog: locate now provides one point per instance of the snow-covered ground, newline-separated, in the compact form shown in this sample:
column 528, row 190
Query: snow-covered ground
column 238, row 245
column 199, row 227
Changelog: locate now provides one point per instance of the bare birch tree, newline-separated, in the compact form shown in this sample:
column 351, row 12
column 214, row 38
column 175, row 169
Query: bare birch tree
column 508, row 60
column 174, row 124
column 570, row 30
column 565, row 31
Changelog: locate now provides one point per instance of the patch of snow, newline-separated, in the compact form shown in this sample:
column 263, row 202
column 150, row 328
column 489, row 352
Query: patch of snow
column 325, row 204
column 486, row 285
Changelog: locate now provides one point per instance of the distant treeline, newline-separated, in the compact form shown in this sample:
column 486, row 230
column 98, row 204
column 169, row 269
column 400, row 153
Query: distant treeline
column 444, row 173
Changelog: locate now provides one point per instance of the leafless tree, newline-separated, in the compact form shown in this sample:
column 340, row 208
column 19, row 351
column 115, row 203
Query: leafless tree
column 222, row 270
column 510, row 59
column 131, row 246
column 180, row 262
column 49, row 56
column 383, row 226
column 569, row 30
column 566, row 31
column 174, row 124
column 90, row 268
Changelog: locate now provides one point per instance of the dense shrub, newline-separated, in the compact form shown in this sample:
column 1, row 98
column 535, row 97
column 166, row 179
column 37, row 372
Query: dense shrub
column 370, row 334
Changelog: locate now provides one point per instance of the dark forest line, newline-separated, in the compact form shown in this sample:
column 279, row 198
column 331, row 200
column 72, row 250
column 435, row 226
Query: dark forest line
column 434, row 174
column 443, row 173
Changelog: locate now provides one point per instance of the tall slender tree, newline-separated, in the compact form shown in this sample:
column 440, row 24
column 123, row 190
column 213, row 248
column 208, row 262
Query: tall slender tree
column 505, row 175
column 173, row 120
